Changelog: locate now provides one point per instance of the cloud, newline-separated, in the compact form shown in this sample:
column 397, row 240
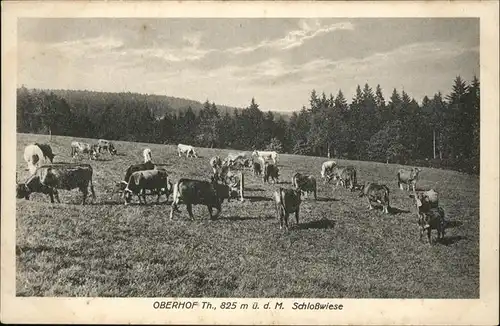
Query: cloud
column 294, row 38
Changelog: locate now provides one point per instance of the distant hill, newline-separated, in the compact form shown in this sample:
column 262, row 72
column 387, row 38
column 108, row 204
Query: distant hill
column 159, row 104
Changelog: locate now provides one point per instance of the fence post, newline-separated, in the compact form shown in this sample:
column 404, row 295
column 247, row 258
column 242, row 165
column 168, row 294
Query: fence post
column 242, row 186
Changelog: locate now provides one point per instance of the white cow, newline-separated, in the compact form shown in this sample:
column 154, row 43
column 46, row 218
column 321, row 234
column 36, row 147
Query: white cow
column 269, row 155
column 84, row 148
column 147, row 155
column 187, row 149
column 37, row 155
column 326, row 169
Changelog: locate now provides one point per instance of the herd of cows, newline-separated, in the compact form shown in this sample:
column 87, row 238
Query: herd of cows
column 226, row 183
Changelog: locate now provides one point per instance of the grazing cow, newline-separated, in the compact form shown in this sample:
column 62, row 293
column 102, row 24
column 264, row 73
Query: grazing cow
column 408, row 177
column 48, row 178
column 270, row 171
column 257, row 168
column 305, row 184
column 186, row 149
column 326, row 170
column 376, row 193
column 232, row 158
column 106, row 145
column 433, row 219
column 153, row 180
column 37, row 155
column 215, row 163
column 196, row 192
column 287, row 201
column 84, row 148
column 120, row 186
column 346, row 176
column 146, row 153
column 267, row 155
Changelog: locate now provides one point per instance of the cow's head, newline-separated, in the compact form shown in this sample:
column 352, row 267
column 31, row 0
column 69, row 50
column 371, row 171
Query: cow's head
column 112, row 149
column 120, row 186
column 127, row 195
column 22, row 191
column 255, row 153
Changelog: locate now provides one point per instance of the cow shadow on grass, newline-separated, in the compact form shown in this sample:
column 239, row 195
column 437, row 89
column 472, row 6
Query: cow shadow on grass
column 447, row 241
column 258, row 198
column 120, row 154
column 395, row 210
column 244, row 218
column 254, row 189
column 320, row 224
column 325, row 199
column 115, row 202
column 103, row 160
column 452, row 224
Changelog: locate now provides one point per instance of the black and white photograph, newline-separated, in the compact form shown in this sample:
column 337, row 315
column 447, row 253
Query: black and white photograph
column 259, row 163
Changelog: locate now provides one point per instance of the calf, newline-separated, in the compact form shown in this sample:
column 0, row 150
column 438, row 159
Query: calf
column 433, row 219
column 196, row 192
column 287, row 201
column 376, row 193
column 257, row 168
column 305, row 184
column 84, row 148
column 37, row 155
column 48, row 178
column 326, row 169
column 186, row 149
column 154, row 180
column 270, row 171
column 346, row 176
column 106, row 145
column 408, row 177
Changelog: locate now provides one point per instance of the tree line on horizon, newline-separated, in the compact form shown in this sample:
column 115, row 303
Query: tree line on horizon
column 442, row 131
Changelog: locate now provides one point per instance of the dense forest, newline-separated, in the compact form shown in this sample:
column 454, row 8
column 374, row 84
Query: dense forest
column 441, row 131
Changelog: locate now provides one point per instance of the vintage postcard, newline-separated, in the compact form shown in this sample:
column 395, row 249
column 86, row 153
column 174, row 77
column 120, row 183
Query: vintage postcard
column 288, row 163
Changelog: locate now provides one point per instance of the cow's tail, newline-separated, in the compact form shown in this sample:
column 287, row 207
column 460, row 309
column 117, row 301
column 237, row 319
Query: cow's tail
column 92, row 188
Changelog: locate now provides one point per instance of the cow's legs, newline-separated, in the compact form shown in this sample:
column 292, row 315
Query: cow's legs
column 56, row 194
column 370, row 204
column 386, row 209
column 190, row 210
column 159, row 195
column 297, row 215
column 429, row 230
column 286, row 220
column 84, row 192
column 315, row 194
column 421, row 232
column 172, row 208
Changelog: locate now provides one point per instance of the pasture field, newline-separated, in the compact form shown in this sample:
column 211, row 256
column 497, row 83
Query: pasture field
column 339, row 250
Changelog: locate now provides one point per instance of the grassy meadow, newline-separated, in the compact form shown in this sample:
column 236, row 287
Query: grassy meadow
column 339, row 250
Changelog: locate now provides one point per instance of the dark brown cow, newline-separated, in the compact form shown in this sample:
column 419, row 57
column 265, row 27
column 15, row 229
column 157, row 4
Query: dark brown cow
column 376, row 193
column 257, row 168
column 196, row 192
column 270, row 171
column 305, row 184
column 48, row 178
column 287, row 201
column 433, row 219
column 153, row 180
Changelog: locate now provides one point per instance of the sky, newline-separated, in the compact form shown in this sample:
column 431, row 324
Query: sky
column 278, row 61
